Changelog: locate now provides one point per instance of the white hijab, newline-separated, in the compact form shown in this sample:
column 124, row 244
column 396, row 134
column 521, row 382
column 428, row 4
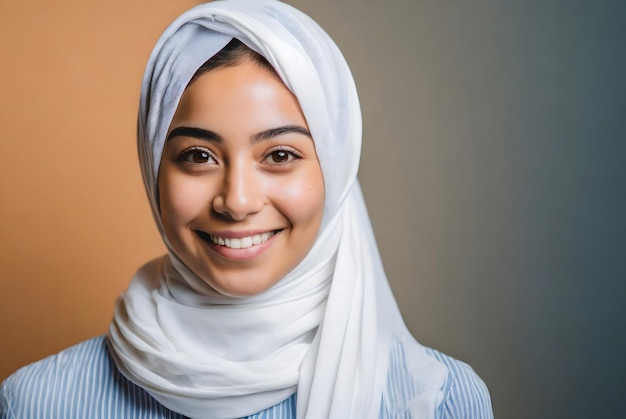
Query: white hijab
column 325, row 330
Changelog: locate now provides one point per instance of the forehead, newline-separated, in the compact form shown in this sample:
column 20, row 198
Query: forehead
column 232, row 96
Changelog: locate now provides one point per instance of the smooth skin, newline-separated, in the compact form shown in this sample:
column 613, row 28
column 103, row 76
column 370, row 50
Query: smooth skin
column 239, row 165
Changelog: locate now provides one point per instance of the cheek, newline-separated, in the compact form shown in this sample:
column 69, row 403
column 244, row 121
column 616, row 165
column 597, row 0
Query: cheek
column 181, row 202
column 301, row 199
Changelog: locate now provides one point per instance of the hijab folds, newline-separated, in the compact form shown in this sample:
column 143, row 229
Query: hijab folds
column 326, row 329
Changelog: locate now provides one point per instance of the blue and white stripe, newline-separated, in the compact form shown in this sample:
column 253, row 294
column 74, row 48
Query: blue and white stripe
column 83, row 382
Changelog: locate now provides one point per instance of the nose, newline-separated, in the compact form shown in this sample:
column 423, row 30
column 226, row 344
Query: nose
column 240, row 193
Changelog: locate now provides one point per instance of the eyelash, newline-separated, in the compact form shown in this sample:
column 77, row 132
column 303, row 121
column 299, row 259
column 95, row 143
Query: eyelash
column 292, row 153
column 184, row 156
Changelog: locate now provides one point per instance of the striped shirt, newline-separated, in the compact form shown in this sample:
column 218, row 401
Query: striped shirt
column 83, row 382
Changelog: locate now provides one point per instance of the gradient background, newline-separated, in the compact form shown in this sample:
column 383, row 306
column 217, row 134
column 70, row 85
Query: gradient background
column 493, row 167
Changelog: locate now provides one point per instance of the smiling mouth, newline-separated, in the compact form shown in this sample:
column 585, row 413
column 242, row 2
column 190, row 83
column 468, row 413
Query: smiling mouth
column 238, row 242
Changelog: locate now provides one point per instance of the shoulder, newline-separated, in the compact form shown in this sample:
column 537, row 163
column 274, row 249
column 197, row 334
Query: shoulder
column 43, row 385
column 39, row 383
column 465, row 395
column 80, row 381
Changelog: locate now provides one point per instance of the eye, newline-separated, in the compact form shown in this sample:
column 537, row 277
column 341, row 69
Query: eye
column 282, row 156
column 196, row 155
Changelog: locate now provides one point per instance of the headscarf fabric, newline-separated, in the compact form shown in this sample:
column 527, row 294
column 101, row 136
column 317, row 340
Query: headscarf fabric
column 324, row 330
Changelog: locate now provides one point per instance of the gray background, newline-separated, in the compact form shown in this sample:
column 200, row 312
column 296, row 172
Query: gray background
column 494, row 146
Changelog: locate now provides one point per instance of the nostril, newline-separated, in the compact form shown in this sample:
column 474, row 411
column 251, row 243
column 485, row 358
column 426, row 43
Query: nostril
column 239, row 197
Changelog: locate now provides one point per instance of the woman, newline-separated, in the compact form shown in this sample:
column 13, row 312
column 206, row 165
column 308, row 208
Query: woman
column 272, row 301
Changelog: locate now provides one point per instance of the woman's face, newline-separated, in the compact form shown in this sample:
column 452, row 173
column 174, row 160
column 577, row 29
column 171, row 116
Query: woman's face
column 241, row 191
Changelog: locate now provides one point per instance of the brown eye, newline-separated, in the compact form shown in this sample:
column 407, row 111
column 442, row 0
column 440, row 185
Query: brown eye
column 282, row 156
column 279, row 156
column 199, row 156
column 196, row 156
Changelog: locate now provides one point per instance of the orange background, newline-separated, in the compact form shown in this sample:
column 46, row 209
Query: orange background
column 75, row 223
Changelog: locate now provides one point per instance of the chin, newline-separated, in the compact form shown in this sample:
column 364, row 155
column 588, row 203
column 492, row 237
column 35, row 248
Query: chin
column 238, row 285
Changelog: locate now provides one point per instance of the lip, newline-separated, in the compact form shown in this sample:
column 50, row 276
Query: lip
column 238, row 254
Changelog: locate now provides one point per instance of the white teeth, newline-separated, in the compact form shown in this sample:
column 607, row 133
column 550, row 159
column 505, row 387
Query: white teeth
column 242, row 242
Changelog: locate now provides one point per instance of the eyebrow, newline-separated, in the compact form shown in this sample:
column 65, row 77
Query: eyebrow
column 274, row 132
column 208, row 135
column 200, row 133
